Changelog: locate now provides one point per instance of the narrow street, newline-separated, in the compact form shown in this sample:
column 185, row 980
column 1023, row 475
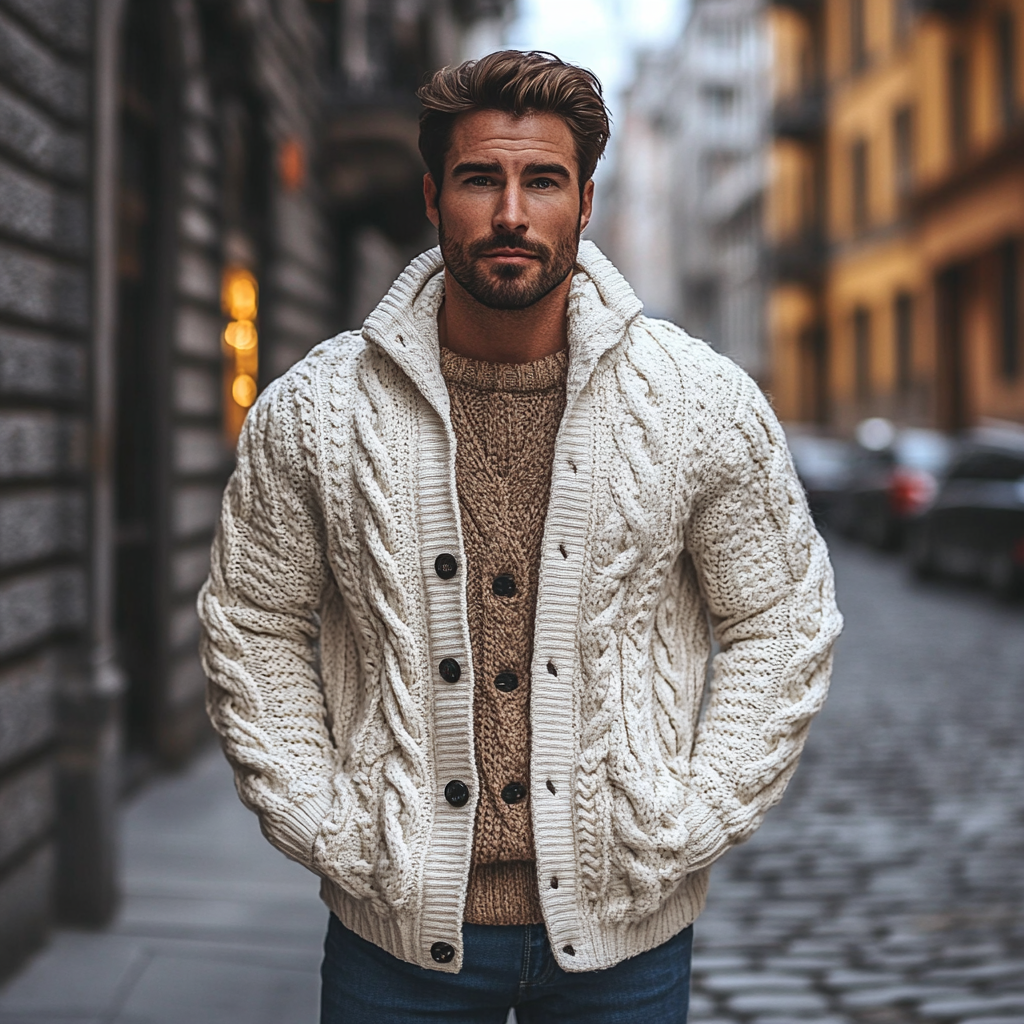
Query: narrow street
column 887, row 887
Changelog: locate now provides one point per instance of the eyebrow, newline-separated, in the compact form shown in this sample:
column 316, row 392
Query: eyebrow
column 547, row 169
column 476, row 168
column 495, row 168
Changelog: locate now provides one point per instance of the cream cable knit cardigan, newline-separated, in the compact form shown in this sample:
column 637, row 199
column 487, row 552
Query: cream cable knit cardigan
column 673, row 502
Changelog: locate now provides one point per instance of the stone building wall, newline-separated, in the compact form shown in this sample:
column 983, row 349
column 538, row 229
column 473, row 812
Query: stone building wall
column 44, row 450
column 74, row 732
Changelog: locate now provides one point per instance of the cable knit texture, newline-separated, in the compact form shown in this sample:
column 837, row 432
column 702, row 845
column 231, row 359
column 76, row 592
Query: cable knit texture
column 506, row 418
column 673, row 504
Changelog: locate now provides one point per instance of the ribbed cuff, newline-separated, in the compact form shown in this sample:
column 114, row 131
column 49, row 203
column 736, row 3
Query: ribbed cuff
column 293, row 829
column 503, row 893
column 706, row 839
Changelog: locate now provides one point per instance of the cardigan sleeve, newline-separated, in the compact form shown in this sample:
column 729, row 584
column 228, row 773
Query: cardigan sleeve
column 767, row 581
column 259, row 612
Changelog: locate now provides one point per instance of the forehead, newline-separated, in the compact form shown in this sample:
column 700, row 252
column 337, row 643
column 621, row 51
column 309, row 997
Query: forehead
column 496, row 135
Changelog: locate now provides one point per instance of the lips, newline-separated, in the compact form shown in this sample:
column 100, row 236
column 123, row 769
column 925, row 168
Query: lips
column 510, row 254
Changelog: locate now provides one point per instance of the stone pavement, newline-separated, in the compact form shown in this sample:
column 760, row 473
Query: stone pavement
column 887, row 887
column 216, row 926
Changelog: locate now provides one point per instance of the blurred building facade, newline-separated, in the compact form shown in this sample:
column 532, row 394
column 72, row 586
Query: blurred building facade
column 186, row 190
column 684, row 216
column 895, row 215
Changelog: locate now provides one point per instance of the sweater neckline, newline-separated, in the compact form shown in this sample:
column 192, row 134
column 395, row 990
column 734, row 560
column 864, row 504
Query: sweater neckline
column 540, row 375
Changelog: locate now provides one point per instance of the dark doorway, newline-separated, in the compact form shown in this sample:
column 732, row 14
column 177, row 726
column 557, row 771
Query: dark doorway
column 139, row 445
column 951, row 400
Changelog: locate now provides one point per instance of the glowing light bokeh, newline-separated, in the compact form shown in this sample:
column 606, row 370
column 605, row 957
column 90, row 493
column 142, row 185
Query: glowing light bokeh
column 243, row 390
column 241, row 335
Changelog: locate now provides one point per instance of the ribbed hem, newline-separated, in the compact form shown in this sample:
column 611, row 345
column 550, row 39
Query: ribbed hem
column 503, row 893
column 597, row 944
column 540, row 375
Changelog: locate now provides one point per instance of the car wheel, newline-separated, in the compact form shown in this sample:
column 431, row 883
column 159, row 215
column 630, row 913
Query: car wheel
column 1003, row 577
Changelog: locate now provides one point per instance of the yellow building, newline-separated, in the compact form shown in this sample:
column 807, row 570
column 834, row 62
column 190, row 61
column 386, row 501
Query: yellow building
column 896, row 210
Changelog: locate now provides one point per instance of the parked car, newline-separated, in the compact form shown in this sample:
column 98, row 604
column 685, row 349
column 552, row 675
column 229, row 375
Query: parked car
column 890, row 485
column 823, row 465
column 975, row 525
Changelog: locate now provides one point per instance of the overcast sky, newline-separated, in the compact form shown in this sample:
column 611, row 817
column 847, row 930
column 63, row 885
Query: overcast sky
column 599, row 34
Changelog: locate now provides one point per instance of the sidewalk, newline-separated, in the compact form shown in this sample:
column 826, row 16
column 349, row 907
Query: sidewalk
column 216, row 927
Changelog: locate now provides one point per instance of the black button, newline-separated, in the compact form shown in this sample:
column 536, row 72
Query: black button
column 569, row 950
column 445, row 566
column 506, row 681
column 450, row 670
column 552, row 669
column 513, row 793
column 503, row 585
column 442, row 952
column 554, row 883
column 456, row 793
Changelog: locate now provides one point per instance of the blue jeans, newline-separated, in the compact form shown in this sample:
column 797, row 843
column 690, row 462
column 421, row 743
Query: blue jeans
column 503, row 966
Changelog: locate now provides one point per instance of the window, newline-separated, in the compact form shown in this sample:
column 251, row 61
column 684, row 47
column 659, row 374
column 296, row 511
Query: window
column 703, row 308
column 902, row 14
column 903, row 149
column 808, row 73
column 858, row 40
column 722, row 34
column 715, row 164
column 903, row 326
column 859, row 183
column 862, row 352
column 1009, row 313
column 958, row 104
column 810, row 190
column 719, row 101
column 1006, row 48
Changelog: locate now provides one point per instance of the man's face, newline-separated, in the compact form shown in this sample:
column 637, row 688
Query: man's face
column 510, row 213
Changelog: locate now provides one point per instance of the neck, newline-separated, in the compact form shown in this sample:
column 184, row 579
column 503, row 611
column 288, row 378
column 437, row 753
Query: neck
column 476, row 331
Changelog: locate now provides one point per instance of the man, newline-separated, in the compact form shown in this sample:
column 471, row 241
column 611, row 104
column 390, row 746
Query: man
column 457, row 622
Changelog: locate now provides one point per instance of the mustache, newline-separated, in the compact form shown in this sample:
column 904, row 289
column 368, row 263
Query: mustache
column 510, row 240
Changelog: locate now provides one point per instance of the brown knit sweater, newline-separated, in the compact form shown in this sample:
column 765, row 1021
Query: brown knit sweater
column 506, row 417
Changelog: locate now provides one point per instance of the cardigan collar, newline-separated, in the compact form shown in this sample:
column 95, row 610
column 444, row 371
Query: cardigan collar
column 601, row 307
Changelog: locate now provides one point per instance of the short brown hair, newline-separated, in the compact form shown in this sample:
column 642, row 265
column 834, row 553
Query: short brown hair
column 519, row 82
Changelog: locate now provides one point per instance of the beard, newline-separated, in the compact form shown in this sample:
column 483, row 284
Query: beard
column 508, row 287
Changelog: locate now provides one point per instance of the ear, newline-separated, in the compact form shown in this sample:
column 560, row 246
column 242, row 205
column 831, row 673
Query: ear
column 430, row 199
column 586, row 205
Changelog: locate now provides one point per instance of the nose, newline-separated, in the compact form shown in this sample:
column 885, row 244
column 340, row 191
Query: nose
column 510, row 215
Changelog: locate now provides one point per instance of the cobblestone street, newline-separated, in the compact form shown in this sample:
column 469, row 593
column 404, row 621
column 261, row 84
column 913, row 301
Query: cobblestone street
column 887, row 887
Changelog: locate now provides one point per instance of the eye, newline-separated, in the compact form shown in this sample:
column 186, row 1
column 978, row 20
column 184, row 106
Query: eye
column 543, row 183
column 479, row 179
